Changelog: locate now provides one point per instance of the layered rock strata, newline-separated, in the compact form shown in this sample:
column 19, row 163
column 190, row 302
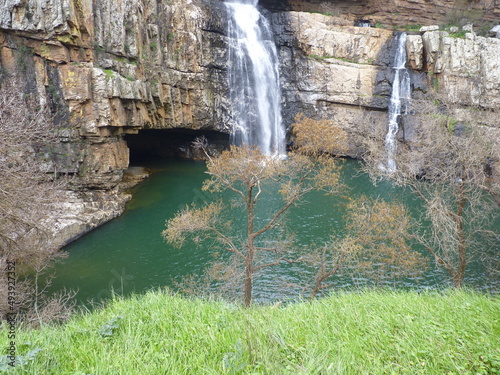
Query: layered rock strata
column 334, row 70
column 111, row 69
column 392, row 13
column 107, row 69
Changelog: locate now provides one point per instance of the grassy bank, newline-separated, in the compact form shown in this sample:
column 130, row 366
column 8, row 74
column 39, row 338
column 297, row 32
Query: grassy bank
column 351, row 333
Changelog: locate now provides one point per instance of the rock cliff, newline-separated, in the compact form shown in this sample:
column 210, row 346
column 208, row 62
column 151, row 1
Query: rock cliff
column 111, row 69
column 107, row 69
column 334, row 70
column 396, row 12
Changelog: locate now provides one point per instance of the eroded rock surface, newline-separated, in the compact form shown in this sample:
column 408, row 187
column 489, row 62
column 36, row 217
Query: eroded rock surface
column 109, row 69
column 395, row 12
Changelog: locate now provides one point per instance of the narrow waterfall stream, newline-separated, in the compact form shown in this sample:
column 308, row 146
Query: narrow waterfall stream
column 399, row 101
column 254, row 79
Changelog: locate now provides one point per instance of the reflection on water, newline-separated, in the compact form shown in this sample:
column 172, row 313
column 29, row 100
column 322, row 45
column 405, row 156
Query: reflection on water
column 128, row 254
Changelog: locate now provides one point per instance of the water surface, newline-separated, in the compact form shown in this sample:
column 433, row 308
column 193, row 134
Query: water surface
column 128, row 254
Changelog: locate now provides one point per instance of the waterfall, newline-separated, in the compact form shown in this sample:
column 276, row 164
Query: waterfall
column 254, row 79
column 399, row 101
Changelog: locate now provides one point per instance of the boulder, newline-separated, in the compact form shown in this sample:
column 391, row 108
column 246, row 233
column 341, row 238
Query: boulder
column 495, row 31
column 414, row 52
column 423, row 29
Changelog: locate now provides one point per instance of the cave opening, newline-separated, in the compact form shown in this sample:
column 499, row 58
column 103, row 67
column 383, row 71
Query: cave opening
column 150, row 144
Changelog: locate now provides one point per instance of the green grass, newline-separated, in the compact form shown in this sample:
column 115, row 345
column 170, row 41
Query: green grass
column 109, row 73
column 410, row 28
column 373, row 332
column 459, row 34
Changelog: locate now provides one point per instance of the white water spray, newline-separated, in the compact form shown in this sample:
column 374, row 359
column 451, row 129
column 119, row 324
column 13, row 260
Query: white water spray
column 399, row 100
column 254, row 80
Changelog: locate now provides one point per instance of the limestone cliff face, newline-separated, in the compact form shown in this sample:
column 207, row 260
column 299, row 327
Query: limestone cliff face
column 334, row 70
column 111, row 68
column 395, row 12
column 466, row 70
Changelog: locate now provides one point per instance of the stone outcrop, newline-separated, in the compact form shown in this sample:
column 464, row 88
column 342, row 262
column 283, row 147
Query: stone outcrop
column 392, row 13
column 334, row 70
column 110, row 69
column 107, row 69
column 79, row 212
column 466, row 70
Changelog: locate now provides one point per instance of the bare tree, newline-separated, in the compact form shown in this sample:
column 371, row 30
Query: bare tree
column 448, row 165
column 377, row 243
column 376, row 237
column 27, row 192
column 247, row 174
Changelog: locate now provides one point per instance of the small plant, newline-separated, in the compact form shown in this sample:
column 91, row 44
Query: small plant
column 53, row 91
column 412, row 28
column 352, row 61
column 108, row 329
column 98, row 48
column 434, row 80
column 6, row 362
column 23, row 56
column 109, row 73
column 234, row 362
column 318, row 57
column 328, row 14
column 459, row 34
column 129, row 27
column 435, row 84
column 153, row 46
column 451, row 124
column 27, row 12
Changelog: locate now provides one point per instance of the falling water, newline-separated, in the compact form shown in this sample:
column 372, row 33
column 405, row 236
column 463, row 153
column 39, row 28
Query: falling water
column 254, row 80
column 399, row 100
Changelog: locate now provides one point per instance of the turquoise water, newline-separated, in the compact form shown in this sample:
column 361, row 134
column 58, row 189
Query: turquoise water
column 129, row 255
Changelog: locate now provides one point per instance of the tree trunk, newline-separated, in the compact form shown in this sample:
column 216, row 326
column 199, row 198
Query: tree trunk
column 458, row 277
column 248, row 279
column 249, row 258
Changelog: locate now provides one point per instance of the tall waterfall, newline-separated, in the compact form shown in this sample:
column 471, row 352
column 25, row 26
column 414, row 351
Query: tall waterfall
column 254, row 79
column 399, row 100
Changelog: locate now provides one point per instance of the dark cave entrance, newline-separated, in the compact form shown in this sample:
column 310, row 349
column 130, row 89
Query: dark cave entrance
column 150, row 144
